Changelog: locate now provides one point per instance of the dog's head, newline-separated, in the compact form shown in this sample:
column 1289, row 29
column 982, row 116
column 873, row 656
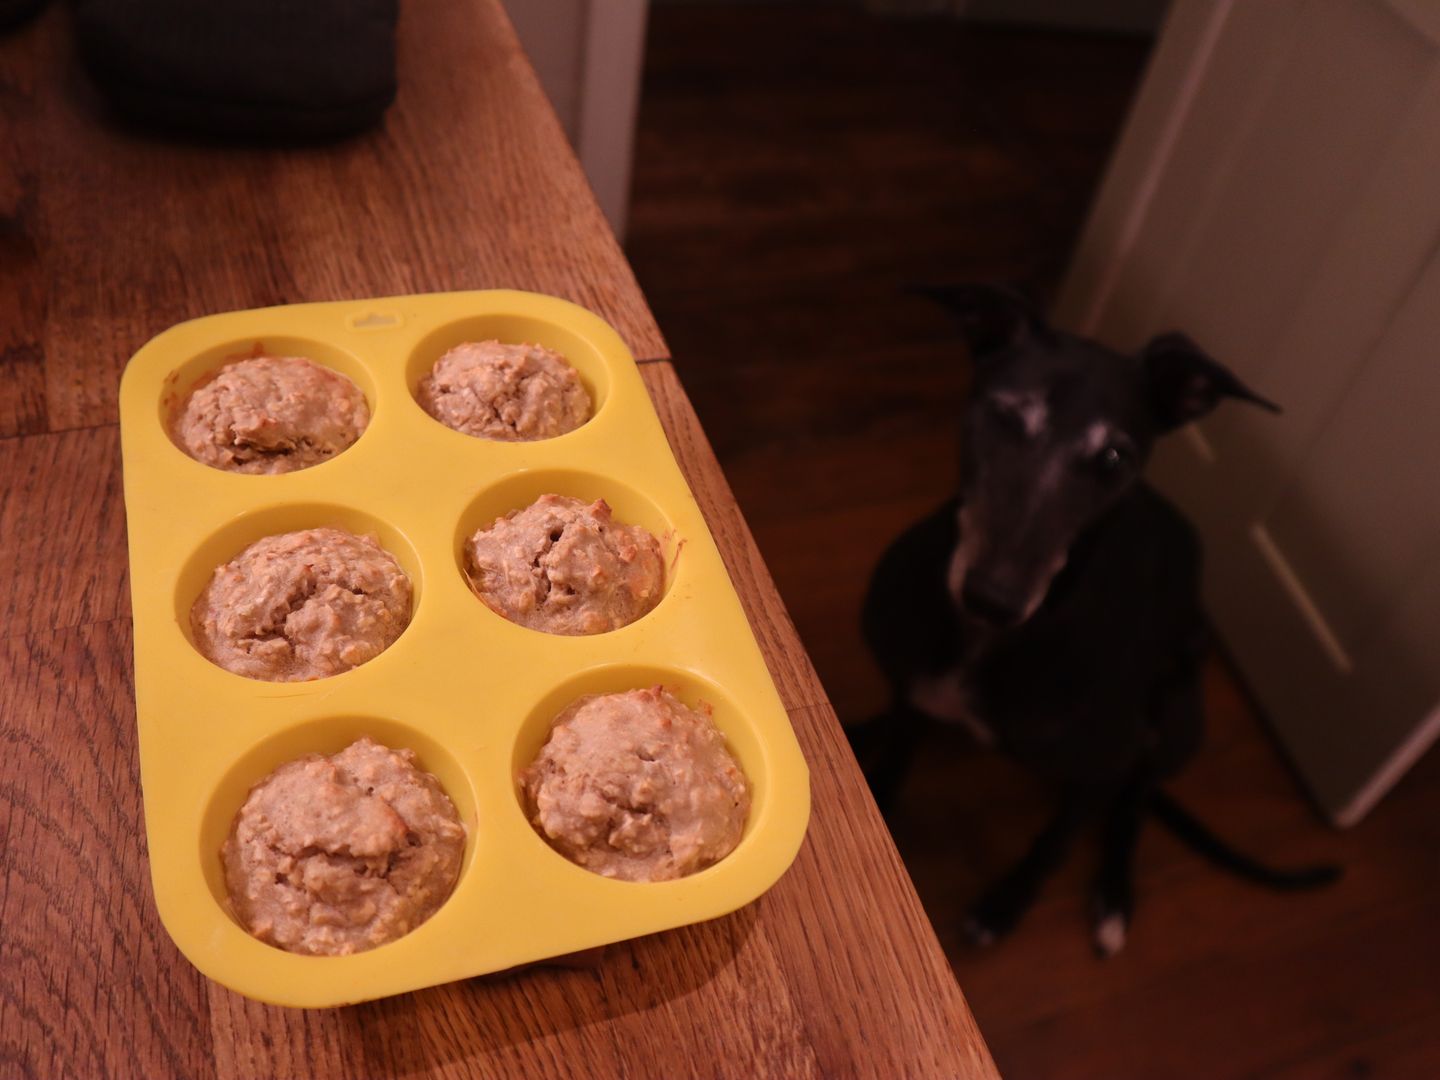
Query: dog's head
column 1057, row 429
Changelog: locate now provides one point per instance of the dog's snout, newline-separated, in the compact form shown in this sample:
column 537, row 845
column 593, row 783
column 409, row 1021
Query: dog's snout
column 991, row 601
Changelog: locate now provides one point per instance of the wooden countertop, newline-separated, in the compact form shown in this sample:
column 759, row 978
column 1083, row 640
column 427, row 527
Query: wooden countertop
column 106, row 238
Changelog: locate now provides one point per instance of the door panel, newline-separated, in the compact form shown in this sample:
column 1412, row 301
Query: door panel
column 1363, row 470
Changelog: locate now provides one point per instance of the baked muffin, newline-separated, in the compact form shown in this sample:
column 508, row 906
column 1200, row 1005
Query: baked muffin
column 566, row 567
column 335, row 855
column 515, row 393
column 270, row 414
column 637, row 786
column 302, row 605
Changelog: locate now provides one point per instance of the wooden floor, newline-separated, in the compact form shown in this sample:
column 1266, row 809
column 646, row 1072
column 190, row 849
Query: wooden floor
column 795, row 168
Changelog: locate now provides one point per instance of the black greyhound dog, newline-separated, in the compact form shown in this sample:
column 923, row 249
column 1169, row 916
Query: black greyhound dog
column 1053, row 607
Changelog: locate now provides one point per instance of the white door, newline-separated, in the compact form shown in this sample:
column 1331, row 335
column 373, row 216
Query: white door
column 1276, row 195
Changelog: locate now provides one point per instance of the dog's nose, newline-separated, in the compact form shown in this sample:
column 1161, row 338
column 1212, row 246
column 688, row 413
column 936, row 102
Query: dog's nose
column 991, row 602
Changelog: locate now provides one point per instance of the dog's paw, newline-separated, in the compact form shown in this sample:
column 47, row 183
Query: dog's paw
column 1108, row 936
column 993, row 916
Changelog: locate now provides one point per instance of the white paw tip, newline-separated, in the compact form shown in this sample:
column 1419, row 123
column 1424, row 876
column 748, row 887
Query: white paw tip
column 1110, row 934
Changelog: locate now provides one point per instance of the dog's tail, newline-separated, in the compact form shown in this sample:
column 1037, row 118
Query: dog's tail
column 1192, row 832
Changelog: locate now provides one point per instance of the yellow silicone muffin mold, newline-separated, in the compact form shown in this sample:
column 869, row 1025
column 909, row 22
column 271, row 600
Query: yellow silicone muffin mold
column 469, row 692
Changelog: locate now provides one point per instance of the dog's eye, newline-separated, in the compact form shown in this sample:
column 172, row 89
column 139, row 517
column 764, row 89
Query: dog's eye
column 1110, row 460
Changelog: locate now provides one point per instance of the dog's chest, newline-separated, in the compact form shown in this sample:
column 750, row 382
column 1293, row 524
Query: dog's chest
column 947, row 698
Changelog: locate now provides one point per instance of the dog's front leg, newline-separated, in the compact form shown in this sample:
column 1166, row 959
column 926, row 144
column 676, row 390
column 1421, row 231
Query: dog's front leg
column 1114, row 898
column 1001, row 907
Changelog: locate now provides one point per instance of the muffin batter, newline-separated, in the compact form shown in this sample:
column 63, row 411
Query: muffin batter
column 566, row 568
column 637, row 786
column 271, row 414
column 512, row 392
column 336, row 855
column 302, row 605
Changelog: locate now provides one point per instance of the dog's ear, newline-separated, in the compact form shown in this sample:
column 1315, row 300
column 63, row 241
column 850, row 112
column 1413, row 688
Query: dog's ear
column 992, row 319
column 1185, row 383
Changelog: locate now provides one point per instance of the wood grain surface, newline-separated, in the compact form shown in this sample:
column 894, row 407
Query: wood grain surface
column 107, row 237
column 835, row 972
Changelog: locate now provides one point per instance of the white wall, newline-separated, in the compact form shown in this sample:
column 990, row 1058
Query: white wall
column 589, row 55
